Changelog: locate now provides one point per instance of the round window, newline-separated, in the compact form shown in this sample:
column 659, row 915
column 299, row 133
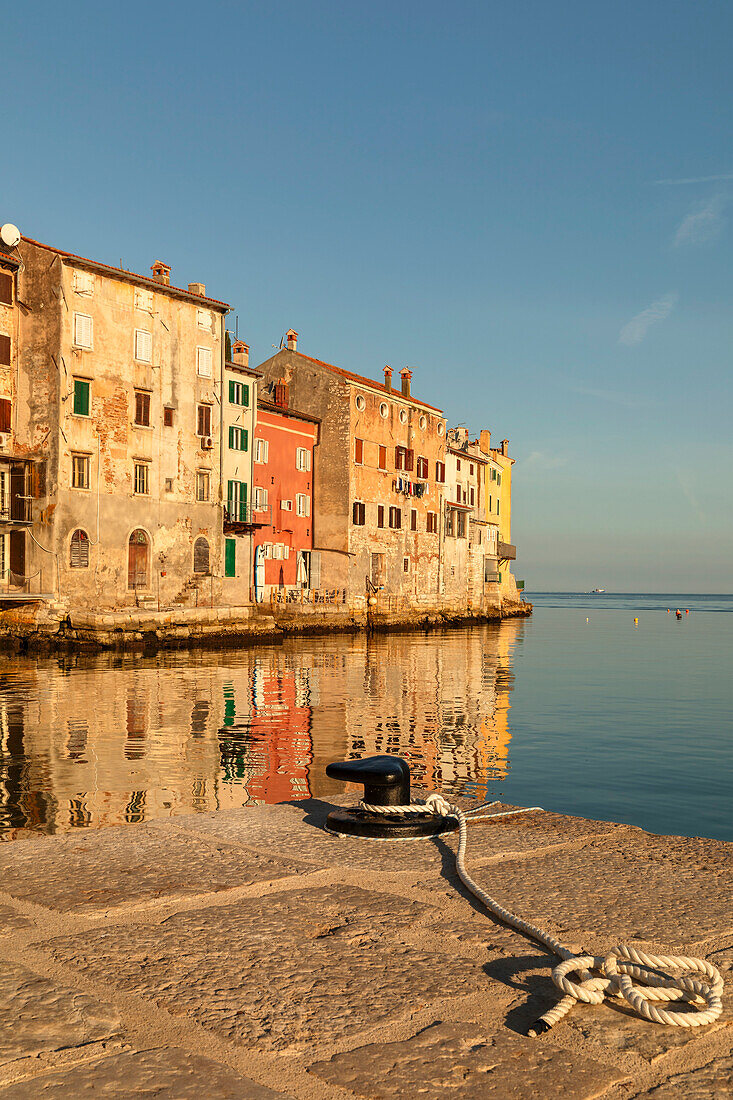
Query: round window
column 384, row 410
column 441, row 429
column 360, row 403
column 403, row 416
column 423, row 422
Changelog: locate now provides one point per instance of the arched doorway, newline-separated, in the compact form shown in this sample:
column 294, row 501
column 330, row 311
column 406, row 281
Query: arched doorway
column 138, row 554
column 201, row 556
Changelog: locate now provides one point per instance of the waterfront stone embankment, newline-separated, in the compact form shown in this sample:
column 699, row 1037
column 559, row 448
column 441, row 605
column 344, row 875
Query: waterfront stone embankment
column 248, row 954
column 38, row 627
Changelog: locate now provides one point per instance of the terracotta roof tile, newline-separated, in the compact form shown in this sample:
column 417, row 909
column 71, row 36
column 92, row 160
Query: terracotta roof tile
column 364, row 381
column 121, row 272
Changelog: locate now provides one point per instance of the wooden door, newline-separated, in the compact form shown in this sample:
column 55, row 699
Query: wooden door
column 137, row 560
column 17, row 557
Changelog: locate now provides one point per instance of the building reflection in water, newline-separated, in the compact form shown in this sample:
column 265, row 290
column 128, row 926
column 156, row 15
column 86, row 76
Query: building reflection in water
column 88, row 742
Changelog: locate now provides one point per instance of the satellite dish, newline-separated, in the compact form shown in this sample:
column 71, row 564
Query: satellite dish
column 10, row 235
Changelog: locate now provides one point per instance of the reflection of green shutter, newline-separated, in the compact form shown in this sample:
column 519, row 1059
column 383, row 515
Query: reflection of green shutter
column 230, row 706
column 230, row 557
column 232, row 392
column 81, row 397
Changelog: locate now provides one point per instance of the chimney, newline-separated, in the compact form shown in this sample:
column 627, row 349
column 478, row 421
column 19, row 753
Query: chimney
column 291, row 338
column 161, row 273
column 505, row 447
column 240, row 353
column 196, row 288
column 485, row 441
column 405, row 375
column 388, row 378
column 282, row 394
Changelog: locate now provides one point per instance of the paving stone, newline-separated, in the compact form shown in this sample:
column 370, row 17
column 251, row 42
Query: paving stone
column 711, row 1082
column 666, row 892
column 283, row 971
column 119, row 866
column 11, row 920
column 41, row 1016
column 451, row 1060
column 164, row 1074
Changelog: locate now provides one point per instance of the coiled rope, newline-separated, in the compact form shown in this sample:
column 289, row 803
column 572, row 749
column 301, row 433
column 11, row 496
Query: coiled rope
column 598, row 976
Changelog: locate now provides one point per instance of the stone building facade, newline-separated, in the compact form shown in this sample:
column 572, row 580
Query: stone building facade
column 378, row 477
column 117, row 385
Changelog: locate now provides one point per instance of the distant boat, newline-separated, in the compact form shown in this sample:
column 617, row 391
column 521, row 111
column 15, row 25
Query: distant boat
column 594, row 590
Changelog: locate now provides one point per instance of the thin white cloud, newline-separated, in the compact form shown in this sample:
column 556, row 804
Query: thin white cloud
column 636, row 329
column 694, row 179
column 540, row 460
column 702, row 224
column 610, row 395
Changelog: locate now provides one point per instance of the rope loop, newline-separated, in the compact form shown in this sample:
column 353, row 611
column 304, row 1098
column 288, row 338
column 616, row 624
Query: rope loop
column 626, row 972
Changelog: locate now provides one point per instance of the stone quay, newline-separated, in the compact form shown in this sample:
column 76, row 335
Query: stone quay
column 250, row 954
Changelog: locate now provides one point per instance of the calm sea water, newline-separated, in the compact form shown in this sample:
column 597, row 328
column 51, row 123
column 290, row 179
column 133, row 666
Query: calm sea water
column 578, row 709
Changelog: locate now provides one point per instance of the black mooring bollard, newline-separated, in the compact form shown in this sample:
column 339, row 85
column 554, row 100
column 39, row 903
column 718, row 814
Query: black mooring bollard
column 386, row 782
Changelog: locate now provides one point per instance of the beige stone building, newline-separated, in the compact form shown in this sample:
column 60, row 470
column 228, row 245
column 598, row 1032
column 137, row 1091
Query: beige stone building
column 115, row 385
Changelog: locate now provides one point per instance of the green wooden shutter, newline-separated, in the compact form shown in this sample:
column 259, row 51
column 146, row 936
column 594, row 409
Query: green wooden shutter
column 232, row 392
column 81, row 397
column 231, row 437
column 246, row 440
column 230, row 557
column 245, row 398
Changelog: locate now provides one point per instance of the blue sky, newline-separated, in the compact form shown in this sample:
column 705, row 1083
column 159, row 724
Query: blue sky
column 527, row 203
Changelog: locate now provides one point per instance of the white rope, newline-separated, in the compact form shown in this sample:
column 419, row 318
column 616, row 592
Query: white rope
column 615, row 973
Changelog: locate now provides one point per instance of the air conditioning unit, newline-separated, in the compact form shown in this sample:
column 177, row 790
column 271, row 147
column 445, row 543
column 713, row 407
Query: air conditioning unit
column 206, row 442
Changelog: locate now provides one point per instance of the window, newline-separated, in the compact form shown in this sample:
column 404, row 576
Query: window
column 302, row 504
column 432, row 524
column 302, row 459
column 237, row 500
column 422, row 468
column 169, row 485
column 286, row 505
column 441, row 428
column 80, row 465
column 262, row 449
column 472, row 496
column 79, row 550
column 238, row 438
column 458, row 463
column 450, row 528
column 203, row 362
column 142, row 478
column 461, row 525
column 423, row 422
column 6, row 288
column 440, row 472
column 413, row 519
column 360, row 402
column 261, row 500
column 400, row 458
column 168, row 417
column 230, row 557
column 6, row 412
column 497, row 506
column 201, row 556
column 81, row 397
column 498, row 478
column 493, row 474
column 83, row 330
column 359, row 451
column 490, row 506
column 144, row 300
column 406, row 565
column 384, row 410
column 203, row 485
column 203, row 319
column 395, row 518
column 380, row 515
column 142, row 408
column 143, row 345
column 359, row 514
column 4, row 350
column 204, row 419
column 238, row 394
column 403, row 416
column 84, row 283
column 382, row 458
column 470, row 467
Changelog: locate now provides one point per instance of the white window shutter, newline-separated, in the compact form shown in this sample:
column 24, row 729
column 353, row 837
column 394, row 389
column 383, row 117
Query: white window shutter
column 83, row 330
column 203, row 362
column 143, row 345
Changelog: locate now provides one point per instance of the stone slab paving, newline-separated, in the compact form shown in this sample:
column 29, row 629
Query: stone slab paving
column 134, row 963
column 38, row 1015
column 450, row 1060
column 126, row 865
column 163, row 1074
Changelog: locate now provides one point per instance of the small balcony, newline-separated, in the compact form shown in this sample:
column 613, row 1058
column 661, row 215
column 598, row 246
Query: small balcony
column 16, row 498
column 507, row 551
column 241, row 518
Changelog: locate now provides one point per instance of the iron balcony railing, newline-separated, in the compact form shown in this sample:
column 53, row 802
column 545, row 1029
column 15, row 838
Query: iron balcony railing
column 507, row 551
column 15, row 509
column 236, row 511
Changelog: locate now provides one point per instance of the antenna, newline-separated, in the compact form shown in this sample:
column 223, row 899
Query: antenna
column 10, row 235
